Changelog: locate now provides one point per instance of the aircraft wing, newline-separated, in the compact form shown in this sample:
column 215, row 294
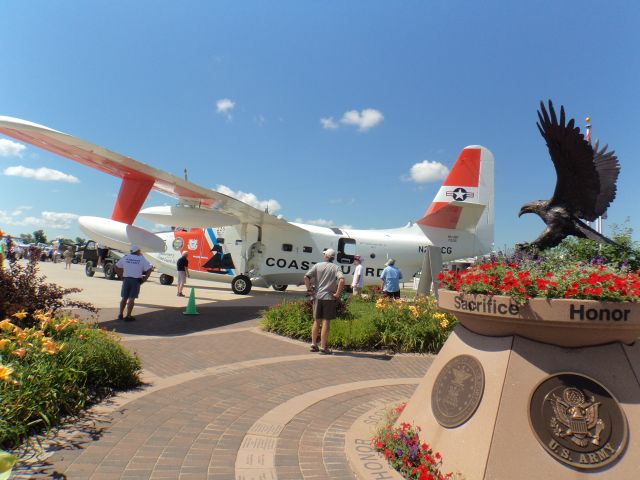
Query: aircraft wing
column 122, row 166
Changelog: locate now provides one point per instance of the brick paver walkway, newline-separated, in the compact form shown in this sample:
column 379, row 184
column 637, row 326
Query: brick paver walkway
column 208, row 392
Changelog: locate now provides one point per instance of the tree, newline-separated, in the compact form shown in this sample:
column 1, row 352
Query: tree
column 27, row 238
column 625, row 251
column 81, row 240
column 39, row 237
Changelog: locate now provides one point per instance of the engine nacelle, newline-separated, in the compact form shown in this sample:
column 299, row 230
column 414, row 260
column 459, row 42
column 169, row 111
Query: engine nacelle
column 186, row 216
column 120, row 235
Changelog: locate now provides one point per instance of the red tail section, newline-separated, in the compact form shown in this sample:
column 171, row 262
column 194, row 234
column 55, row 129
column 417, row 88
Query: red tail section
column 465, row 192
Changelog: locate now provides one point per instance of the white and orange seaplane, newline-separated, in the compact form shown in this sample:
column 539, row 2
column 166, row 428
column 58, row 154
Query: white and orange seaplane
column 233, row 242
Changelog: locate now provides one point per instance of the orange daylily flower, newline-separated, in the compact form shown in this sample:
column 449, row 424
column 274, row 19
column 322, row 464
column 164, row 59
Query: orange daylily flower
column 19, row 352
column 5, row 373
column 7, row 325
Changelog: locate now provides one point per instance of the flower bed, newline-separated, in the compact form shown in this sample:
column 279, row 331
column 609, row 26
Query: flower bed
column 522, row 281
column 412, row 325
column 370, row 323
column 573, row 305
column 403, row 450
column 53, row 369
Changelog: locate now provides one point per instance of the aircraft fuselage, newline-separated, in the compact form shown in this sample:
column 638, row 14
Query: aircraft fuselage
column 270, row 256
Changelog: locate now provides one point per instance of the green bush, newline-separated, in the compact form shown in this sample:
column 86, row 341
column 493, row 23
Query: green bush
column 53, row 370
column 624, row 252
column 23, row 290
column 405, row 326
column 291, row 319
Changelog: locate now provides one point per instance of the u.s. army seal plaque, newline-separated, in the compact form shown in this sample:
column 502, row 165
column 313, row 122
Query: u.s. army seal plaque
column 457, row 391
column 578, row 421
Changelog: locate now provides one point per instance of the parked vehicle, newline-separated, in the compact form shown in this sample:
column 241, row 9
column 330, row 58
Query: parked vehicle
column 19, row 249
column 89, row 254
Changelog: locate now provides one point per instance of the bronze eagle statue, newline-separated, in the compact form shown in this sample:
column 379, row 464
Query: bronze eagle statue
column 586, row 183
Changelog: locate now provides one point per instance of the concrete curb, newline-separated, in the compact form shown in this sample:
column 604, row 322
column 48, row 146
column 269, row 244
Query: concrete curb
column 361, row 455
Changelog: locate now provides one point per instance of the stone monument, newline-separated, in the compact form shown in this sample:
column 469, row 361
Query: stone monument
column 549, row 389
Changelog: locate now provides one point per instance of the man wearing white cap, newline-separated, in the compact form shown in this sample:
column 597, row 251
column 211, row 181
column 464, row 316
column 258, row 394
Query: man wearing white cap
column 134, row 270
column 325, row 281
column 391, row 277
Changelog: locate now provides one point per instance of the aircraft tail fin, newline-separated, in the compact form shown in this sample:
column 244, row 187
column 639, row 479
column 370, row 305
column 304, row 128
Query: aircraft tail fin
column 465, row 199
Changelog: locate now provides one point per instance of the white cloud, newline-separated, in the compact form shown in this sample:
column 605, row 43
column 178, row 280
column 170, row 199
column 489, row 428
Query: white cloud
column 58, row 220
column 20, row 210
column 328, row 123
column 42, row 173
column 364, row 120
column 10, row 148
column 260, row 120
column 426, row 172
column 224, row 106
column 251, row 199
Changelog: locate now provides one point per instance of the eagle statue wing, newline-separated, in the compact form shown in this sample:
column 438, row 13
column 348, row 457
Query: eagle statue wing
column 608, row 169
column 587, row 176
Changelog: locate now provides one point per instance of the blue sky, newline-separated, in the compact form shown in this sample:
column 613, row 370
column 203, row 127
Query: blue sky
column 321, row 106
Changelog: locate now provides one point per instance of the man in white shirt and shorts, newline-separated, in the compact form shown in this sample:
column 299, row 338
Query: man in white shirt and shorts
column 358, row 276
column 325, row 281
column 134, row 270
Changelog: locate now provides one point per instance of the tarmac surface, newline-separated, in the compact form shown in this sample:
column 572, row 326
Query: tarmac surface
column 222, row 399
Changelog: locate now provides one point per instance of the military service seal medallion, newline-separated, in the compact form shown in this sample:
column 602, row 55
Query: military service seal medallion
column 578, row 421
column 457, row 391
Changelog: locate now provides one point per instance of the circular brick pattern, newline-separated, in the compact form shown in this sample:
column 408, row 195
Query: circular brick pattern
column 194, row 429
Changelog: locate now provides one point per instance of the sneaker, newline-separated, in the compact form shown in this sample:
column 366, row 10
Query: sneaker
column 314, row 348
column 181, row 294
column 129, row 318
column 325, row 351
column 120, row 317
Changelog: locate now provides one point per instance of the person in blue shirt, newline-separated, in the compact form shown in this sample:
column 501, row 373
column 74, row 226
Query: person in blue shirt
column 391, row 277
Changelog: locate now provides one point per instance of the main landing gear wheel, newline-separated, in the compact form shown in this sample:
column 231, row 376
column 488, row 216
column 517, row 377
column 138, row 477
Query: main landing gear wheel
column 241, row 285
column 280, row 288
column 109, row 271
column 88, row 269
column 166, row 279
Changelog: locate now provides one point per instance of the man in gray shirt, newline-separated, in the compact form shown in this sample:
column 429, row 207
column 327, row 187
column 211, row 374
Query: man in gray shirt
column 325, row 281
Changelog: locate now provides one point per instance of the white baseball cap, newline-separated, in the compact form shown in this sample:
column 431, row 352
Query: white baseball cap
column 330, row 253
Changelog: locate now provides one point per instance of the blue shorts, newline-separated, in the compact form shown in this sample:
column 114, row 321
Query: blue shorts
column 130, row 287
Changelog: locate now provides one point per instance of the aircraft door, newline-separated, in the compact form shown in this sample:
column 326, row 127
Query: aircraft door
column 346, row 250
column 192, row 241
